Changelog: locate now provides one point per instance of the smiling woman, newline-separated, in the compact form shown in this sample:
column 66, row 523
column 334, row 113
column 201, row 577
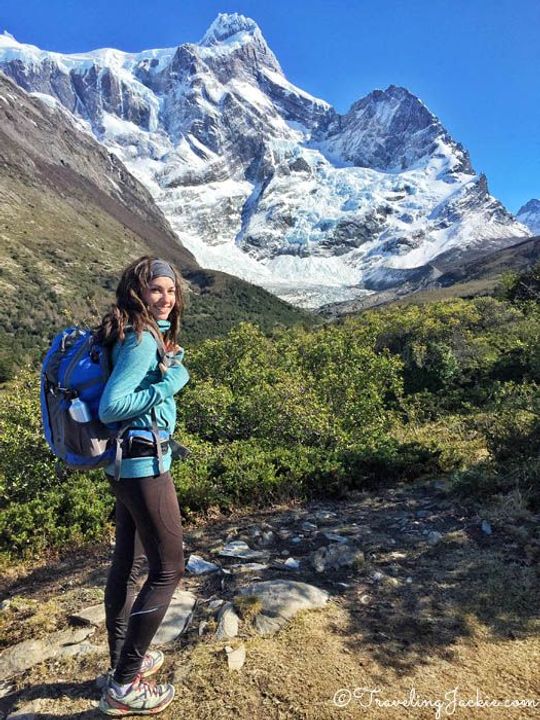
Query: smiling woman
column 147, row 371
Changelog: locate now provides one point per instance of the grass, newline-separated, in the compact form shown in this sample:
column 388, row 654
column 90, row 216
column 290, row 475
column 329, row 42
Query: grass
column 468, row 620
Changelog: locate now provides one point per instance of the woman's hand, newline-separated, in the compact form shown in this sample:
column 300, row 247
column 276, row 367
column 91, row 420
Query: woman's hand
column 173, row 358
column 173, row 348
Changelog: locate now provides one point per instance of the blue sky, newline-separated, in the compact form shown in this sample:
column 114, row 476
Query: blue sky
column 475, row 63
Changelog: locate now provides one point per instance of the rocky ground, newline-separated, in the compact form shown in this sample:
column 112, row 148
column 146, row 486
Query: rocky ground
column 398, row 603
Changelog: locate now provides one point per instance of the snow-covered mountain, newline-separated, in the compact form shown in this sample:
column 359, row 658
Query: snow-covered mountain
column 263, row 180
column 529, row 215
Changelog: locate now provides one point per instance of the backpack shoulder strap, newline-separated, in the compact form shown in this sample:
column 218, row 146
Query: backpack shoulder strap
column 159, row 341
column 157, row 337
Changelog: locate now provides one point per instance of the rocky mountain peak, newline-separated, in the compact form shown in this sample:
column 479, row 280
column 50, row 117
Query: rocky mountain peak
column 531, row 205
column 394, row 110
column 529, row 215
column 226, row 25
column 232, row 34
column 393, row 130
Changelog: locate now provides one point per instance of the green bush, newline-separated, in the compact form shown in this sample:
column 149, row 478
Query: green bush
column 37, row 509
column 394, row 393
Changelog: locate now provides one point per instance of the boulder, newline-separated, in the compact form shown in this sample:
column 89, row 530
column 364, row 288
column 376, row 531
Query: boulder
column 93, row 615
column 281, row 600
column 228, row 622
column 336, row 555
column 24, row 655
column 176, row 618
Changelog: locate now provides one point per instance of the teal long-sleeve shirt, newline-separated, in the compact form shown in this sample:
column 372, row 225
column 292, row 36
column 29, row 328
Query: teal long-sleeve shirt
column 135, row 386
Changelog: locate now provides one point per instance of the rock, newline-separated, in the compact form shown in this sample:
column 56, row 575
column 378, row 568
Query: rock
column 176, row 618
column 240, row 549
column 284, row 534
column 352, row 529
column 396, row 555
column 486, row 527
column 291, row 563
column 267, row 538
column 409, row 580
column 197, row 565
column 4, row 605
column 202, row 626
column 296, row 539
column 266, row 625
column 236, row 657
column 309, row 527
column 334, row 556
column 377, row 576
column 93, row 615
column 434, row 537
column 281, row 600
column 335, row 537
column 242, row 568
column 6, row 688
column 80, row 649
column 24, row 655
column 318, row 560
column 228, row 622
column 325, row 515
column 215, row 604
column 423, row 513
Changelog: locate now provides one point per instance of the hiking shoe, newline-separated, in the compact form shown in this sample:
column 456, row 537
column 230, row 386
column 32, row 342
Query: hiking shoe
column 152, row 662
column 141, row 698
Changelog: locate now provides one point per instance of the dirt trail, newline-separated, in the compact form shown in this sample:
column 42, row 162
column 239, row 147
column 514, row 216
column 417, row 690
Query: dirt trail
column 443, row 611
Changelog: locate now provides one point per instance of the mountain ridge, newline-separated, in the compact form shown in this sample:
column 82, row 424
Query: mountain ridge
column 259, row 178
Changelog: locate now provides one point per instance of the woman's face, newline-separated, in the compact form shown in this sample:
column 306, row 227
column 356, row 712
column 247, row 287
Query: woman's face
column 160, row 297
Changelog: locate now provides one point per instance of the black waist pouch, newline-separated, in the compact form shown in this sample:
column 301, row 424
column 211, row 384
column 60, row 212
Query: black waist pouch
column 135, row 446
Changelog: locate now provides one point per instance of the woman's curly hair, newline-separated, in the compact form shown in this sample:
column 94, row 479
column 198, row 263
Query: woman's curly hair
column 131, row 310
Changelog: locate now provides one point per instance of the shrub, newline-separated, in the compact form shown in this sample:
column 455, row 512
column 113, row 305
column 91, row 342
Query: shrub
column 38, row 510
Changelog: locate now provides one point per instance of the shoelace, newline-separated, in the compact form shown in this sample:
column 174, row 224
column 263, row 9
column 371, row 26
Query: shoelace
column 147, row 687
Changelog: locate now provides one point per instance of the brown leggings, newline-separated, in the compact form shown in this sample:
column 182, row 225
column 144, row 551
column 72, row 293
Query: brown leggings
column 148, row 524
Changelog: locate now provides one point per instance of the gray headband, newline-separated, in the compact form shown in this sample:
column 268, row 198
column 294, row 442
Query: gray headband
column 160, row 268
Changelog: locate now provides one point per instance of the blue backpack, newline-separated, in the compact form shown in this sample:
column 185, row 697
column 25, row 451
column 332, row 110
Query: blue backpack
column 74, row 373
